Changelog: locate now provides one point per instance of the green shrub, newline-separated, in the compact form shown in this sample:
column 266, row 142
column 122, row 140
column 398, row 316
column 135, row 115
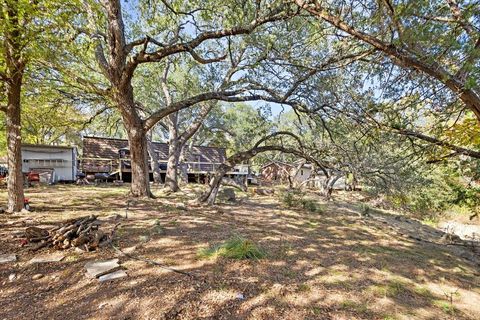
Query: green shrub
column 296, row 199
column 289, row 199
column 234, row 248
column 309, row 205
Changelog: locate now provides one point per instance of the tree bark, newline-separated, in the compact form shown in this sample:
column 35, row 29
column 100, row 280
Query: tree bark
column 137, row 140
column 327, row 186
column 15, row 66
column 174, row 152
column 14, row 143
column 210, row 195
column 157, row 177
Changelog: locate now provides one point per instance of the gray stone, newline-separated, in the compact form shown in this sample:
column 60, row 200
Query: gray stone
column 4, row 258
column 227, row 194
column 114, row 275
column 53, row 257
column 12, row 277
column 96, row 269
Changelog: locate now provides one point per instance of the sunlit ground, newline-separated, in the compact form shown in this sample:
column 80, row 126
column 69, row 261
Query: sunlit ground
column 328, row 265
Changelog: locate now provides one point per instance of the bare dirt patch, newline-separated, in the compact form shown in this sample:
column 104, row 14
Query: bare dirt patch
column 328, row 265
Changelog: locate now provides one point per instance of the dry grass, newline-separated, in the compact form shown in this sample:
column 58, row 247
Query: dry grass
column 326, row 265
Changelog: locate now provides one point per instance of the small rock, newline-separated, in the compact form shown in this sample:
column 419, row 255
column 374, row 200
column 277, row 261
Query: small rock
column 240, row 296
column 12, row 277
column 227, row 194
column 114, row 275
column 37, row 276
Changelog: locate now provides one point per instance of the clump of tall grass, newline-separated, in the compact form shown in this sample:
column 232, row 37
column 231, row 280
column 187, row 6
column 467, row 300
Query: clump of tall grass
column 236, row 247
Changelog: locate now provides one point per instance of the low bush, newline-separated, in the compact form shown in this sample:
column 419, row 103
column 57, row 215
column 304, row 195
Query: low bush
column 296, row 199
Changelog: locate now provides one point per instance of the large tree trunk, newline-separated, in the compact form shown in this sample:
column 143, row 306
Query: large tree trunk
column 137, row 140
column 157, row 177
column 15, row 66
column 183, row 166
column 14, row 144
column 174, row 152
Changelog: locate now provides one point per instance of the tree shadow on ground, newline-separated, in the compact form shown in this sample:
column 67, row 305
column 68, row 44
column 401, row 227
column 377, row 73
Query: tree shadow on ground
column 331, row 265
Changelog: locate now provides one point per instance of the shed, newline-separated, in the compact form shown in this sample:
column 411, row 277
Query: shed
column 56, row 163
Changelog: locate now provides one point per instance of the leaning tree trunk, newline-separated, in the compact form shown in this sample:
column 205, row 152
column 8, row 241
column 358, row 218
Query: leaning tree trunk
column 327, row 187
column 14, row 143
column 210, row 195
column 292, row 176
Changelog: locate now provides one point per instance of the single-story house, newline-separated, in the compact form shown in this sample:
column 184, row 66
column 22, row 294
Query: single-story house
column 111, row 156
column 52, row 163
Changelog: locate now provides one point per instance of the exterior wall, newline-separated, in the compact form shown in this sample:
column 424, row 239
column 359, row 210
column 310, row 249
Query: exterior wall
column 62, row 159
column 302, row 174
column 102, row 155
column 241, row 169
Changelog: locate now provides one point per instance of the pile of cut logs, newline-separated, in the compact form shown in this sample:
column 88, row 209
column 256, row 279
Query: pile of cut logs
column 83, row 233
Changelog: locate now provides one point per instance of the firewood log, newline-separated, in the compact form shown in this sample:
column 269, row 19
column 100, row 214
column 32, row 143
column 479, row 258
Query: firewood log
column 80, row 232
column 79, row 241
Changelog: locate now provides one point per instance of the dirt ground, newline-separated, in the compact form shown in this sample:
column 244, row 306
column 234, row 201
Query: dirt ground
column 328, row 265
